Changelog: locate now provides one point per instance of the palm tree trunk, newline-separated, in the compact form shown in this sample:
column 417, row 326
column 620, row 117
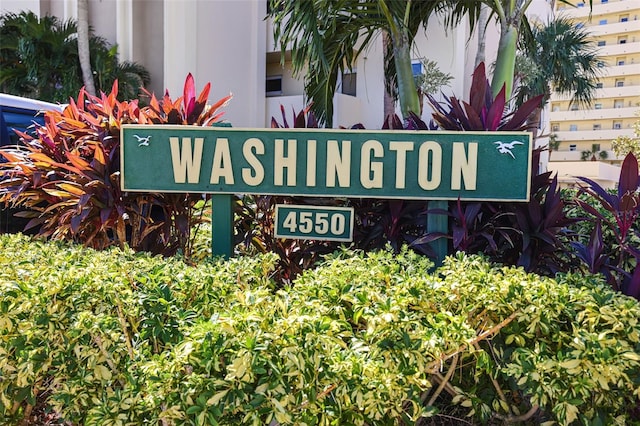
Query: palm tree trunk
column 407, row 91
column 483, row 19
column 389, row 102
column 83, row 46
column 506, row 60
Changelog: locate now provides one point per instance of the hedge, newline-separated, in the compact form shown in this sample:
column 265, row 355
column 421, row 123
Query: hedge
column 119, row 338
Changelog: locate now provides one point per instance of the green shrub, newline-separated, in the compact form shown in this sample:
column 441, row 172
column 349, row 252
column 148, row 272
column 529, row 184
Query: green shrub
column 115, row 337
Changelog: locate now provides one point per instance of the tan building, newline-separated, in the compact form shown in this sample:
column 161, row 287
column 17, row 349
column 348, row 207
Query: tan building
column 585, row 134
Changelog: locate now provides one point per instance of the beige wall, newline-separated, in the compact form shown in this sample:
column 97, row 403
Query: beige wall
column 16, row 6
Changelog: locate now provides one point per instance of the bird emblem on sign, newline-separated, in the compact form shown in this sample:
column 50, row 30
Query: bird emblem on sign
column 505, row 148
column 143, row 141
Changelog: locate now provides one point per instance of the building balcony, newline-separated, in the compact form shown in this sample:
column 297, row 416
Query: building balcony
column 576, row 155
column 598, row 9
column 596, row 136
column 621, row 70
column 619, row 49
column 593, row 114
column 613, row 28
column 605, row 174
column 604, row 93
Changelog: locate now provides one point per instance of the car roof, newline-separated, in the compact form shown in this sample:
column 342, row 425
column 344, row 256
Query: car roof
column 26, row 103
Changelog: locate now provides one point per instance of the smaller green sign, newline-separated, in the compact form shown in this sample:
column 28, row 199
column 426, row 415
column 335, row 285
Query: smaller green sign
column 314, row 222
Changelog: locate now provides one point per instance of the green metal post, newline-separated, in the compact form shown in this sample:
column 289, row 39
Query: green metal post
column 438, row 223
column 222, row 225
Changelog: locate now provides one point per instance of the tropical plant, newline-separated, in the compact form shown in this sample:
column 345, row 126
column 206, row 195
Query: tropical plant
column 484, row 111
column 326, row 37
column 431, row 80
column 619, row 263
column 560, row 54
column 526, row 234
column 554, row 143
column 132, row 77
column 510, row 15
column 566, row 58
column 67, row 175
column 622, row 145
column 39, row 59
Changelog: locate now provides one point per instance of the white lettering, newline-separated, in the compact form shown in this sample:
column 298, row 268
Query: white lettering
column 338, row 164
column 311, row 162
column 186, row 162
column 281, row 162
column 222, row 167
column 429, row 160
column 371, row 172
column 463, row 166
column 401, row 149
column 255, row 175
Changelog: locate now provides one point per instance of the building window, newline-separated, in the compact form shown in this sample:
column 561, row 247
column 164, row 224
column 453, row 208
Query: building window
column 274, row 85
column 599, row 86
column 574, row 107
column 604, row 1
column 573, row 147
column 349, row 83
column 600, row 64
column 624, row 18
column 602, row 43
column 416, row 67
column 598, row 106
column 603, row 22
column 620, row 62
column 555, row 108
column 617, row 125
column 619, row 83
column 597, row 127
column 618, row 103
column 555, row 128
column 622, row 40
column 579, row 25
column 581, row 4
column 573, row 127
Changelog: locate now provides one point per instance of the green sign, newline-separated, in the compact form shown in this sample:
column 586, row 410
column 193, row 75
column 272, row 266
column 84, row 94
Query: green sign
column 332, row 163
column 314, row 222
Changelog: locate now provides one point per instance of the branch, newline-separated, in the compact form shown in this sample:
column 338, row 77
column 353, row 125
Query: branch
column 434, row 365
column 445, row 381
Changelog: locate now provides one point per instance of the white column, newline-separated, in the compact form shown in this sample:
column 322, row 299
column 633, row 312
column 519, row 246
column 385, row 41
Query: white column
column 180, row 48
column 124, row 29
column 70, row 8
column 257, row 65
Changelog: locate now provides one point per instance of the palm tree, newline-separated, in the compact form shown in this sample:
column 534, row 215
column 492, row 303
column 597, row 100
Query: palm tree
column 563, row 55
column 511, row 17
column 84, row 53
column 37, row 57
column 131, row 76
column 326, row 36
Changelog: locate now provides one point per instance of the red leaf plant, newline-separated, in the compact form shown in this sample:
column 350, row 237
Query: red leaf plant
column 66, row 178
